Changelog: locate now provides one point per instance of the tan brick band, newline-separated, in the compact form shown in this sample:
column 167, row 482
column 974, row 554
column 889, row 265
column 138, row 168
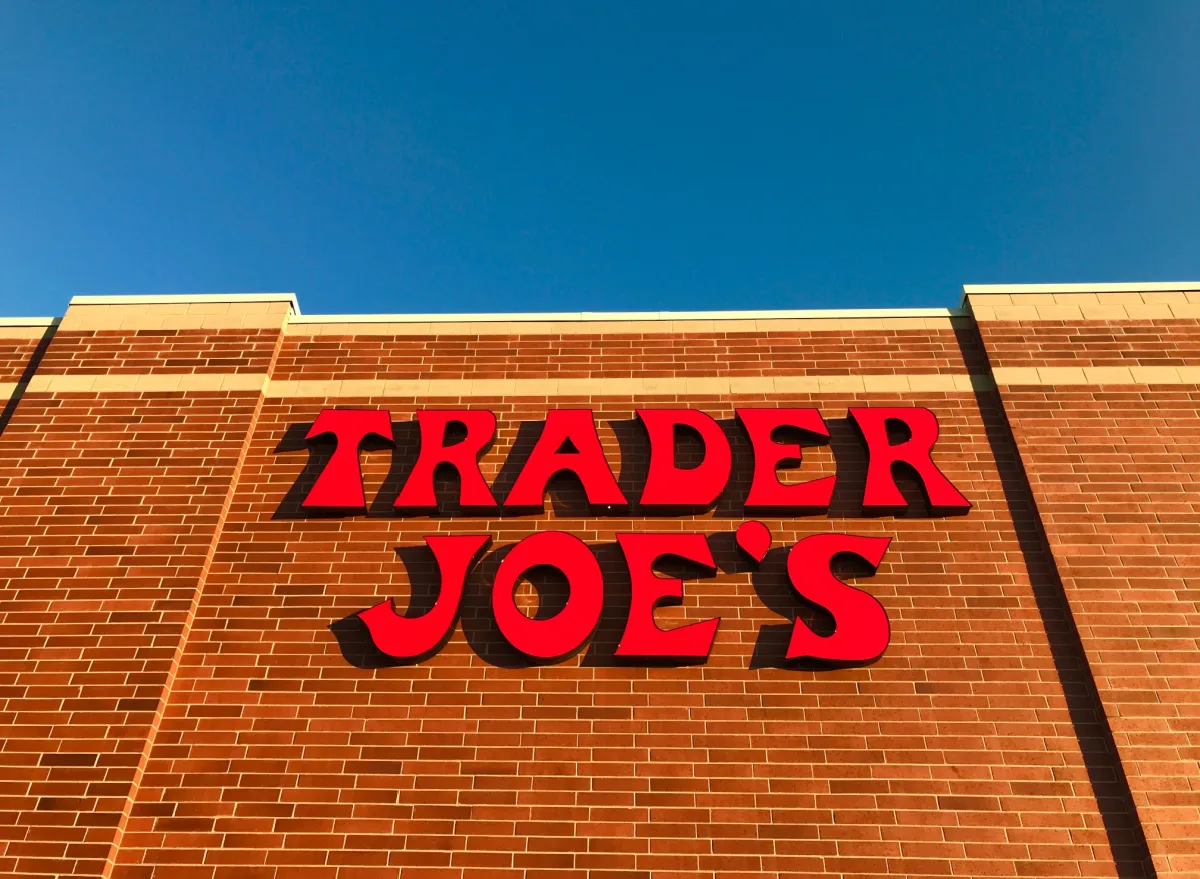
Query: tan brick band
column 1078, row 306
column 629, row 386
column 807, row 384
column 549, row 387
column 1097, row 375
column 780, row 384
column 118, row 383
column 158, row 315
column 538, row 326
column 30, row 331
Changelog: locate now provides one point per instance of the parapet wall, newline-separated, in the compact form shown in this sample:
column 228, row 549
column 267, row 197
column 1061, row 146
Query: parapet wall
column 188, row 690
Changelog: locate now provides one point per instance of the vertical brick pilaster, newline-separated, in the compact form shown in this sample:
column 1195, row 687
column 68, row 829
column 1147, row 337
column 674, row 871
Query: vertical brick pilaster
column 117, row 465
column 1101, row 391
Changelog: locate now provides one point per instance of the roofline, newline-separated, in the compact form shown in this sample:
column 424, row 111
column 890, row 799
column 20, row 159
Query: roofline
column 582, row 316
column 168, row 298
column 29, row 321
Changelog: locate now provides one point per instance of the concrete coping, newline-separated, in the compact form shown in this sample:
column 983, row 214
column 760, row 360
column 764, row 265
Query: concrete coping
column 629, row 316
column 29, row 321
column 180, row 298
column 26, row 328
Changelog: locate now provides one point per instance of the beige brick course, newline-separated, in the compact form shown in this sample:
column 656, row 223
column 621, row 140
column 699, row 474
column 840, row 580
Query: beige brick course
column 128, row 382
column 466, row 388
column 1150, row 305
column 325, row 327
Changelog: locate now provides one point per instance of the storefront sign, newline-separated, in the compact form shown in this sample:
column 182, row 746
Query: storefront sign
column 569, row 442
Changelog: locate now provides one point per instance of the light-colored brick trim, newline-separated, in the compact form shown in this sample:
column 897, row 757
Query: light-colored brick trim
column 37, row 331
column 181, row 314
column 1097, row 375
column 7, row 389
column 620, row 387
column 1080, row 302
column 537, row 387
column 175, row 298
column 121, row 383
column 635, row 316
column 7, row 323
column 614, row 327
column 1133, row 287
column 1075, row 307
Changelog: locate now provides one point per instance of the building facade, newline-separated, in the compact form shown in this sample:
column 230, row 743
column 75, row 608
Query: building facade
column 191, row 686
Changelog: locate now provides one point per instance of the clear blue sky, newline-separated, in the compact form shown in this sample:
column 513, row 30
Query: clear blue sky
column 571, row 155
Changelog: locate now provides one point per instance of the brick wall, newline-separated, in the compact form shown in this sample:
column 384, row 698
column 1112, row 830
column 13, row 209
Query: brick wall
column 1108, row 457
column 189, row 693
column 957, row 747
column 109, row 506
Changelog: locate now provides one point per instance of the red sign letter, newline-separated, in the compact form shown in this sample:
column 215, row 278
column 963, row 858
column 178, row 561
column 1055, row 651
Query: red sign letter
column 766, row 490
column 340, row 483
column 569, row 628
column 546, row 459
column 463, row 457
column 861, row 628
column 642, row 636
column 410, row 637
column 881, row 492
column 670, row 485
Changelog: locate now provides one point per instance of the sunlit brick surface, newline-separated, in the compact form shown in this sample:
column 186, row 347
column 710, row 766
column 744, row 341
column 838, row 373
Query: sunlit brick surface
column 108, row 506
column 187, row 692
column 955, row 753
column 1111, row 472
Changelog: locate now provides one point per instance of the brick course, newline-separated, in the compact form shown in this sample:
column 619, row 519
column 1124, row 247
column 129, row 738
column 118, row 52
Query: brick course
column 646, row 355
column 1093, row 343
column 189, row 694
column 151, row 352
